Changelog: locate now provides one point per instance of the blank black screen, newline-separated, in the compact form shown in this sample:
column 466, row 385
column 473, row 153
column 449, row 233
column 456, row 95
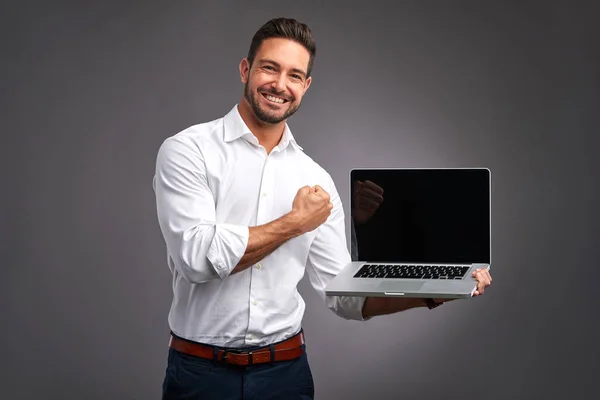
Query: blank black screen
column 427, row 216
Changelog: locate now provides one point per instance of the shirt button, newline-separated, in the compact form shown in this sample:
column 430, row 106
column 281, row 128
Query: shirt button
column 264, row 194
column 255, row 302
column 259, row 265
column 250, row 336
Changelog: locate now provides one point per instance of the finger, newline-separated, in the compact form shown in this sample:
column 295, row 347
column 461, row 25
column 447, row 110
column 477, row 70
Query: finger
column 481, row 288
column 477, row 272
column 305, row 189
column 321, row 193
column 368, row 203
column 485, row 276
column 319, row 189
column 358, row 188
column 488, row 275
column 370, row 194
column 316, row 188
column 477, row 277
column 481, row 282
column 374, row 187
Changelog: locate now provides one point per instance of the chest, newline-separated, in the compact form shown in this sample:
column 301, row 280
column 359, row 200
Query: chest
column 250, row 187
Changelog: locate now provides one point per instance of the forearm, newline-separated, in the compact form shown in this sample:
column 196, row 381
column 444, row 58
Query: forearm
column 386, row 305
column 265, row 239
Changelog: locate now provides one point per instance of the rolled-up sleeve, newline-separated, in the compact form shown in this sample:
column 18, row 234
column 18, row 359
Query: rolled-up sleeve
column 201, row 249
column 328, row 255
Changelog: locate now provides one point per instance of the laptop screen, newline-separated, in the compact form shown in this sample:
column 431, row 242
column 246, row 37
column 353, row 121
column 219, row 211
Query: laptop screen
column 421, row 215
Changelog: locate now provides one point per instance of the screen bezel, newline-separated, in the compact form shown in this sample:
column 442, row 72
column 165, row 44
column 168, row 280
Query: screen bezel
column 489, row 182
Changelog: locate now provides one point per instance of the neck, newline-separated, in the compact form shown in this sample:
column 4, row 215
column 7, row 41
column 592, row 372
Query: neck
column 268, row 135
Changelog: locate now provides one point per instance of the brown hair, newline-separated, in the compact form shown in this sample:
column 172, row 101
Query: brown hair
column 284, row 28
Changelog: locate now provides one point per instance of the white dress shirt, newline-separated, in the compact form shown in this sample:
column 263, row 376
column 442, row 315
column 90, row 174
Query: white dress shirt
column 213, row 181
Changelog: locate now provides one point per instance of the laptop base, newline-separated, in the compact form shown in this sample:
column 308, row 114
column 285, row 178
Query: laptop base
column 346, row 284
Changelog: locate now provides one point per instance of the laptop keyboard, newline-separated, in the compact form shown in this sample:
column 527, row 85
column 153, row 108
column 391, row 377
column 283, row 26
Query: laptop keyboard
column 412, row 271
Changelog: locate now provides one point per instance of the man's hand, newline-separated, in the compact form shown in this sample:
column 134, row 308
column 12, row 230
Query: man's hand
column 311, row 207
column 368, row 196
column 483, row 278
column 384, row 305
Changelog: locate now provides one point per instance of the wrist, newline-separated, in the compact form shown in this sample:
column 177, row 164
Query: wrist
column 292, row 224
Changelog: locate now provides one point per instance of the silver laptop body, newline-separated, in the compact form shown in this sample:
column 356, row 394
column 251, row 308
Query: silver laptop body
column 429, row 232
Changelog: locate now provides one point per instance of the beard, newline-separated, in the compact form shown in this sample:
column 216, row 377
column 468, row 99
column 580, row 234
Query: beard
column 268, row 116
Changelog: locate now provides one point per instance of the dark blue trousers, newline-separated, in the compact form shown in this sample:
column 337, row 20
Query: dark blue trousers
column 193, row 378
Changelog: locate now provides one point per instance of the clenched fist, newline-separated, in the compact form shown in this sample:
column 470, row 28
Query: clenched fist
column 312, row 207
column 368, row 196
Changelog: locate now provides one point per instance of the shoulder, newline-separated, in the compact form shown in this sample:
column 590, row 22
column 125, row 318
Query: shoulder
column 318, row 174
column 193, row 140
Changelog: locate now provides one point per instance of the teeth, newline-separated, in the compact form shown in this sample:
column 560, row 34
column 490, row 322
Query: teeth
column 274, row 99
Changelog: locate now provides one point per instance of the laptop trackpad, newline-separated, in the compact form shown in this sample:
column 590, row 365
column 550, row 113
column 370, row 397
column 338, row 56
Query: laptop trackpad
column 401, row 286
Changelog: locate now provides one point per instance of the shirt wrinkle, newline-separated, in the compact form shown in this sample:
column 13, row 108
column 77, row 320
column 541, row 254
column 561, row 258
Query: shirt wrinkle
column 206, row 177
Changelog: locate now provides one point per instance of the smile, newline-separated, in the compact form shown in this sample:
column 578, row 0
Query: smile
column 274, row 99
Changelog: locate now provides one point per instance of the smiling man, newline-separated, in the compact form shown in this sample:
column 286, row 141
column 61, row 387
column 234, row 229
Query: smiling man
column 245, row 213
column 280, row 95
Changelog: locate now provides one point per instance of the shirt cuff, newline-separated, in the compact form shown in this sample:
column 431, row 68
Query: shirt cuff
column 350, row 307
column 227, row 247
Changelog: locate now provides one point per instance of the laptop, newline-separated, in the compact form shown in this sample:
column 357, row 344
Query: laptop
column 417, row 232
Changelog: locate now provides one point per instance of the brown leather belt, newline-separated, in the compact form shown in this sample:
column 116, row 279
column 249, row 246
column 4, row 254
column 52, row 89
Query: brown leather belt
column 287, row 350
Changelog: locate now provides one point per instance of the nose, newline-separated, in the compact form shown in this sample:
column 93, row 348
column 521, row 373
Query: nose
column 279, row 83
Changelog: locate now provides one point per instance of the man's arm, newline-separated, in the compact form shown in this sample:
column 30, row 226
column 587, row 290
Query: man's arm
column 265, row 239
column 384, row 305
column 203, row 250
column 310, row 208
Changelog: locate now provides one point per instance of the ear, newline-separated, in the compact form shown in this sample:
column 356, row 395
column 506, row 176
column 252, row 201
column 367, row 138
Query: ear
column 244, row 70
column 307, row 84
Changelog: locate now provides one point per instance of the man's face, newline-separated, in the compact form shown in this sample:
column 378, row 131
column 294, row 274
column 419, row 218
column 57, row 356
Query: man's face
column 276, row 80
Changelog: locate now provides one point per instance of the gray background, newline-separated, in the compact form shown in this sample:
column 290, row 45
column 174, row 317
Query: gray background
column 91, row 89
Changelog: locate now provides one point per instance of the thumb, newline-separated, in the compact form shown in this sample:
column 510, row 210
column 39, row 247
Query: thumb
column 357, row 186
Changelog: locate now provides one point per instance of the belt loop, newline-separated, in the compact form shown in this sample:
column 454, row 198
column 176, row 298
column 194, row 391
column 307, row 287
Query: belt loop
column 272, row 348
column 215, row 355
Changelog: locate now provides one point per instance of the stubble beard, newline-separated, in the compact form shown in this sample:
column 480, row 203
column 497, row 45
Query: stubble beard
column 264, row 115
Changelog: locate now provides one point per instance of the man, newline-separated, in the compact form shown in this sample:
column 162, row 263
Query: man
column 244, row 214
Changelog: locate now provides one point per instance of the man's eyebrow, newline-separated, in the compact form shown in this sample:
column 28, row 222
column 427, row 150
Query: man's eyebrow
column 275, row 63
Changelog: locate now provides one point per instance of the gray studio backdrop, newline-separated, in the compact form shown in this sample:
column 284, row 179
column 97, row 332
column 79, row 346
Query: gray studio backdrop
column 91, row 89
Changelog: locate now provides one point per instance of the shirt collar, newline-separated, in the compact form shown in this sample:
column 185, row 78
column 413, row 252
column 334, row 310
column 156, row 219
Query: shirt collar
column 236, row 128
